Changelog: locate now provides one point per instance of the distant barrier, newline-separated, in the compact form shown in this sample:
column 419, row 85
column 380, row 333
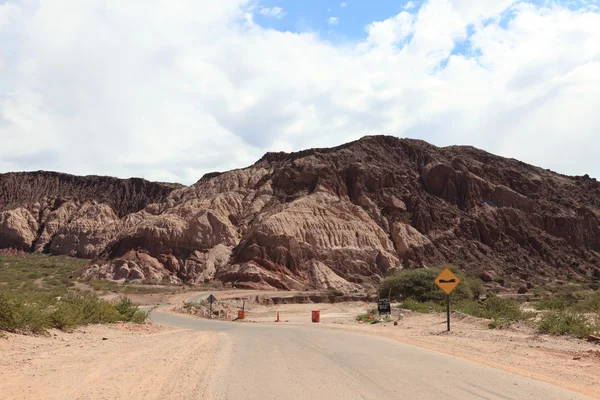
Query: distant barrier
column 316, row 316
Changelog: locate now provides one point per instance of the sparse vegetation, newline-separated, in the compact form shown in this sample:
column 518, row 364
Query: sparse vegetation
column 418, row 292
column 38, row 292
column 554, row 303
column 38, row 272
column 566, row 322
column 37, row 312
column 500, row 311
column 422, row 307
column 370, row 317
column 574, row 313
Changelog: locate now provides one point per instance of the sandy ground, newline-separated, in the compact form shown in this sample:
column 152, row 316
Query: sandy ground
column 134, row 362
column 567, row 362
column 153, row 362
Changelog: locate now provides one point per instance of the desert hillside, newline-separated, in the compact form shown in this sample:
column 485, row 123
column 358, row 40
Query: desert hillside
column 336, row 218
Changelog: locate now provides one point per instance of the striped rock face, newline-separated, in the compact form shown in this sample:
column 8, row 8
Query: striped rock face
column 339, row 218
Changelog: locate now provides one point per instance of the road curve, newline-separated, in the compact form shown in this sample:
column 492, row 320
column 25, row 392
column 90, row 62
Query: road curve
column 287, row 362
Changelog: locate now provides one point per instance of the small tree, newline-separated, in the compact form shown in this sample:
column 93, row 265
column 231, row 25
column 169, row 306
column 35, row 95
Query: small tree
column 419, row 285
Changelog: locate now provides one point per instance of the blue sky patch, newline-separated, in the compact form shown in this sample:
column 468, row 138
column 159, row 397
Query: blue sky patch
column 344, row 20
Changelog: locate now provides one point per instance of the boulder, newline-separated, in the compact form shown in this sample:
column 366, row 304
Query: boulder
column 18, row 229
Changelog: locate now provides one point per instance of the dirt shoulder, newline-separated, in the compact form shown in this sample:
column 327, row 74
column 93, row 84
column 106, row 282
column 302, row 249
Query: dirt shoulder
column 120, row 361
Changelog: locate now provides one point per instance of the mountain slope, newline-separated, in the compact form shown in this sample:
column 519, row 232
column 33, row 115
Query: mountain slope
column 326, row 218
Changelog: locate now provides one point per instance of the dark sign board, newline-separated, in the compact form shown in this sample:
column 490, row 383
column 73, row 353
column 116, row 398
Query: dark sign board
column 211, row 299
column 383, row 306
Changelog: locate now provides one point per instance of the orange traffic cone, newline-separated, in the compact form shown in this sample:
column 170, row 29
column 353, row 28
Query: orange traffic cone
column 277, row 316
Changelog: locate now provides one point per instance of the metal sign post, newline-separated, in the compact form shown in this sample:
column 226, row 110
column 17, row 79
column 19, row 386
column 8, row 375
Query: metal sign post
column 211, row 299
column 447, row 281
column 448, row 311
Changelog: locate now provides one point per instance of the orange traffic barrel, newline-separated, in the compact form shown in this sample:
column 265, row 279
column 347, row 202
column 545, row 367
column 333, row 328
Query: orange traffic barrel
column 316, row 316
column 241, row 314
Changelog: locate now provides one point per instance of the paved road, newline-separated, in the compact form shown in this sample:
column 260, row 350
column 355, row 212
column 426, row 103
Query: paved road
column 285, row 362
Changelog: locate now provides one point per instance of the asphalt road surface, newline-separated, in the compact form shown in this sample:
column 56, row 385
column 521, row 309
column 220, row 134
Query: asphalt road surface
column 287, row 362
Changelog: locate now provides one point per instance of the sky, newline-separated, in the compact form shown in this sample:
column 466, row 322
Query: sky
column 171, row 90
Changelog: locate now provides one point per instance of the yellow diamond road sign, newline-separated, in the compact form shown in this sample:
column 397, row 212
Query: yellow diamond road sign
column 447, row 281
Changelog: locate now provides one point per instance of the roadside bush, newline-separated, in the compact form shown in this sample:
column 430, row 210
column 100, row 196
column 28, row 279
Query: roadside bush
column 139, row 317
column 36, row 312
column 80, row 309
column 129, row 312
column 568, row 323
column 126, row 309
column 422, row 307
column 23, row 313
column 414, row 283
column 590, row 303
column 554, row 303
column 503, row 311
column 418, row 284
column 500, row 311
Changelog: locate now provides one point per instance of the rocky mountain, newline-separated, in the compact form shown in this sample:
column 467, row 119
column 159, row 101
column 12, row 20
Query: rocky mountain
column 337, row 218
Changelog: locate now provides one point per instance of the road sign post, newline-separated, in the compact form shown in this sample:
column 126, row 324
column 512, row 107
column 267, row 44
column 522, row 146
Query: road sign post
column 211, row 299
column 447, row 281
column 448, row 311
column 244, row 303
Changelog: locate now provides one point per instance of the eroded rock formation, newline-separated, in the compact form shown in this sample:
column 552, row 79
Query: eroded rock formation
column 336, row 218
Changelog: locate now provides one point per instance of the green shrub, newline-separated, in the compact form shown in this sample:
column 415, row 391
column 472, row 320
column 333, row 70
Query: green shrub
column 500, row 311
column 76, row 309
column 567, row 323
column 126, row 309
column 506, row 310
column 591, row 303
column 139, row 317
column 415, row 283
column 21, row 313
column 419, row 285
column 474, row 287
column 36, row 312
column 422, row 307
column 554, row 303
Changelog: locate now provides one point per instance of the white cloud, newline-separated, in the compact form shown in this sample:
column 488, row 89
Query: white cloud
column 333, row 21
column 392, row 31
column 275, row 12
column 146, row 88
column 343, row 5
column 409, row 6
